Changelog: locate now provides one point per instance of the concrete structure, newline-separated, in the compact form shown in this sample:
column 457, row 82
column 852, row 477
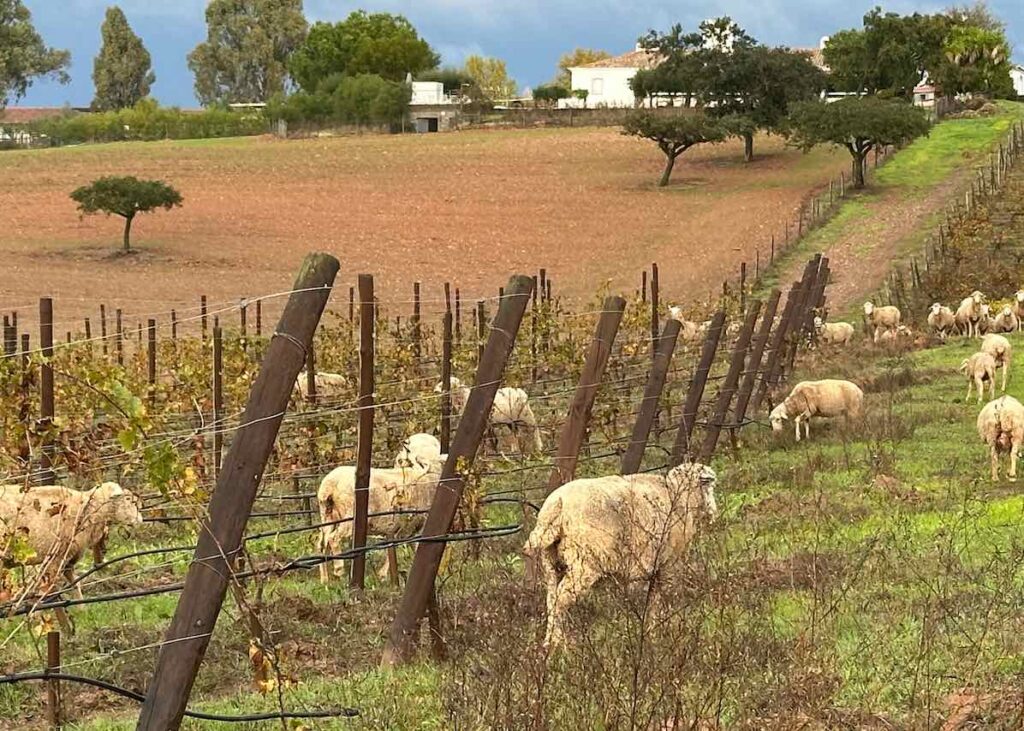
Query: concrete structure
column 925, row 95
column 431, row 110
column 606, row 82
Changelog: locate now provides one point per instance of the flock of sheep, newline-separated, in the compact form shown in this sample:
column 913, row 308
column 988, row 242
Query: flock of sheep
column 634, row 527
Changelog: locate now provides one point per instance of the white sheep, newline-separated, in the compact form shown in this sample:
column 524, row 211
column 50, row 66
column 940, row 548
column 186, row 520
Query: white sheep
column 418, row 451
column 390, row 491
column 1018, row 308
column 941, row 320
column 635, row 528
column 511, row 409
column 1005, row 322
column 979, row 368
column 689, row 331
column 892, row 337
column 59, row 524
column 828, row 398
column 1001, row 427
column 328, row 385
column 999, row 348
column 834, row 333
column 881, row 318
column 969, row 313
column 985, row 322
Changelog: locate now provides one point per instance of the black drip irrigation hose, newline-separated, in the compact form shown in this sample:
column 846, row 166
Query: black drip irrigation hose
column 139, row 698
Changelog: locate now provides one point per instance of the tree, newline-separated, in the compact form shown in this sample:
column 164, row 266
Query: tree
column 673, row 133
column 550, row 93
column 453, row 79
column 245, row 54
column 122, row 71
column 578, row 57
column 364, row 43
column 370, row 99
column 977, row 59
column 125, row 197
column 23, row 55
column 492, row 77
column 860, row 124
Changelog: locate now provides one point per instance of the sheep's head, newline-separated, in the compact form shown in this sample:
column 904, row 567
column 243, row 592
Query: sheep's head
column 869, row 307
column 978, row 297
column 125, row 507
column 778, row 417
column 675, row 312
column 1007, row 311
column 699, row 475
column 1020, row 296
column 936, row 308
column 818, row 322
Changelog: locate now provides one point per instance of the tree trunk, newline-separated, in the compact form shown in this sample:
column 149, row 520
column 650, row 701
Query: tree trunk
column 859, row 158
column 665, row 176
column 128, row 233
column 748, row 147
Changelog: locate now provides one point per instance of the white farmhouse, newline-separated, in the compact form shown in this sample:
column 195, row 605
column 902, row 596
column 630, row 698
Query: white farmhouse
column 1017, row 74
column 606, row 82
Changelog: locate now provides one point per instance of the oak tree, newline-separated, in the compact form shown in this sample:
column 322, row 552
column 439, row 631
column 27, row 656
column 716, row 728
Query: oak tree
column 126, row 197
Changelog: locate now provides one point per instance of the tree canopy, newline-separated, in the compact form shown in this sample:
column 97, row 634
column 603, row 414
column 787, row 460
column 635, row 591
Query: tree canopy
column 126, row 197
column 673, row 133
column 364, row 43
column 576, row 57
column 122, row 71
column 23, row 54
column 859, row 124
column 491, row 76
column 244, row 56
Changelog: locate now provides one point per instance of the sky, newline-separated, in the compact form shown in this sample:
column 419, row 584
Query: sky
column 529, row 34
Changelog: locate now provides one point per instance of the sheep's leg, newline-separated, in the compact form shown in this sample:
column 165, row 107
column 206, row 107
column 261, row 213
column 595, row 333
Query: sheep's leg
column 994, row 459
column 1012, row 474
column 325, row 573
column 807, row 427
column 796, row 421
column 69, row 576
column 64, row 620
column 1006, row 373
column 969, row 384
column 992, row 387
column 575, row 584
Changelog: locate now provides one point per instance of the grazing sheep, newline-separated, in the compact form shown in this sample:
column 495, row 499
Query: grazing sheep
column 941, row 320
column 328, row 385
column 634, row 528
column 829, row 398
column 892, row 337
column 881, row 318
column 985, row 322
column 1018, row 308
column 511, row 409
column 1001, row 427
column 59, row 524
column 979, row 368
column 999, row 348
column 390, row 490
column 418, row 451
column 688, row 331
column 1005, row 322
column 969, row 313
column 833, row 333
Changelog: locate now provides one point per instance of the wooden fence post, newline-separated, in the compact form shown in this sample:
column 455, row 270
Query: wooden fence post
column 151, row 360
column 634, row 455
column 481, row 330
column 655, row 315
column 446, row 379
column 772, row 368
column 695, row 392
column 218, row 397
column 231, row 504
column 174, row 327
column 53, row 699
column 458, row 316
column 103, row 329
column 417, row 346
column 643, row 287
column 728, row 388
column 47, row 407
column 743, row 286
column 574, row 430
column 364, row 439
column 754, row 362
column 420, row 585
column 119, row 337
column 202, row 316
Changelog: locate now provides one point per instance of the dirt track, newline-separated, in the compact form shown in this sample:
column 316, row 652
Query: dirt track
column 470, row 208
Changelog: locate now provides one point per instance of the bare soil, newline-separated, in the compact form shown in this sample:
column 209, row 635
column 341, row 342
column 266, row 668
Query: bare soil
column 470, row 208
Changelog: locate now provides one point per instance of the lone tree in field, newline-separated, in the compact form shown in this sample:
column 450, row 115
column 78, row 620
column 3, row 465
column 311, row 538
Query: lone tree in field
column 860, row 124
column 125, row 197
column 673, row 133
column 122, row 72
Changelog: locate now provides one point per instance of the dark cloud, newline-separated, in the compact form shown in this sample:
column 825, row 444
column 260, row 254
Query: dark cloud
column 529, row 34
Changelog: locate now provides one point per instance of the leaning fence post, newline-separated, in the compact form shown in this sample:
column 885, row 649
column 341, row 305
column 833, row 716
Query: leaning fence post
column 775, row 349
column 364, row 439
column 728, row 388
column 231, row 504
column 53, row 700
column 47, row 410
column 655, row 303
column 422, row 577
column 575, row 429
column 634, row 455
column 695, row 392
column 218, row 397
column 754, row 362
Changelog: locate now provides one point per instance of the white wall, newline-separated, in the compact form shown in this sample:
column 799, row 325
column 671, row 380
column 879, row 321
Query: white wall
column 1017, row 74
column 607, row 87
column 428, row 92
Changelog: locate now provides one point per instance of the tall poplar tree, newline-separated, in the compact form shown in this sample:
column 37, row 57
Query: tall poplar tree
column 122, row 72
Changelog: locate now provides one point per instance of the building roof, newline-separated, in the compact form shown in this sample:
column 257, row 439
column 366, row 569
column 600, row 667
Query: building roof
column 635, row 59
column 24, row 115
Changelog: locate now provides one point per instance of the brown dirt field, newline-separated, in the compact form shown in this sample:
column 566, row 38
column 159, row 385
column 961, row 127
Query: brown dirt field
column 471, row 208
